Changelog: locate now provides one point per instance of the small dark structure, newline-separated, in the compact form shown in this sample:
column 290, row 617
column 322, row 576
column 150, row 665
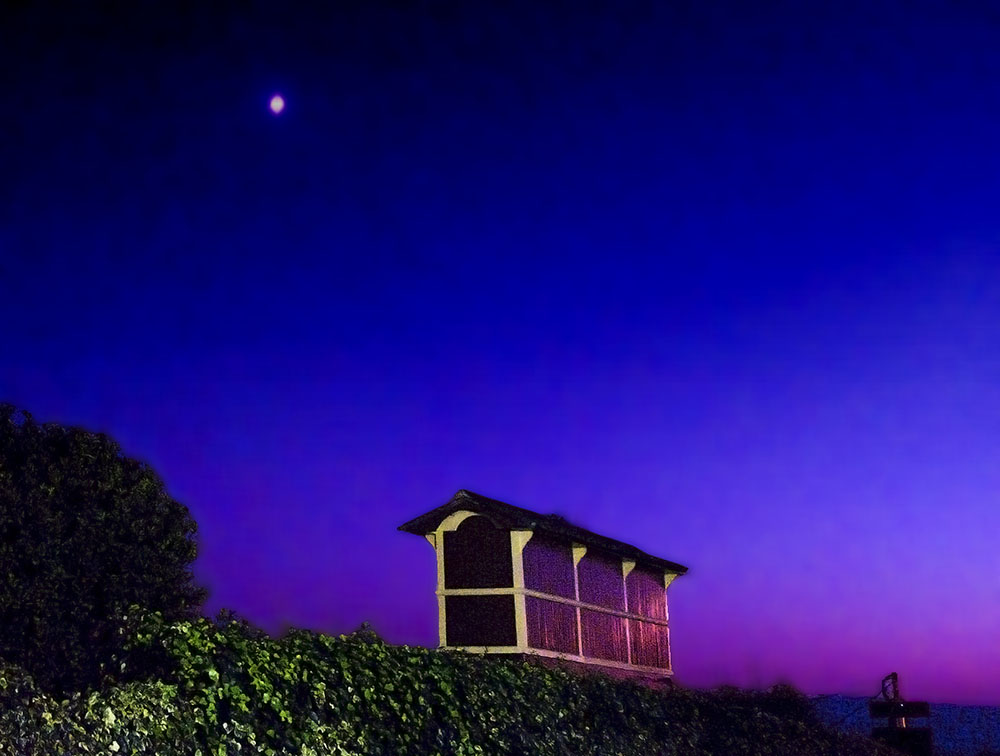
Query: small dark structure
column 512, row 581
column 917, row 741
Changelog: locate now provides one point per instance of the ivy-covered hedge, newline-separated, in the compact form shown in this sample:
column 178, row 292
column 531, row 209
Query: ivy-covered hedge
column 198, row 687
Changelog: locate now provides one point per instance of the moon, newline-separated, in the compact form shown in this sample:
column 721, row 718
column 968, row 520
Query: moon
column 277, row 104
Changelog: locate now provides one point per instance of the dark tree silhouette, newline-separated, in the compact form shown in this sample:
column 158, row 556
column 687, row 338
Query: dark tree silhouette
column 84, row 533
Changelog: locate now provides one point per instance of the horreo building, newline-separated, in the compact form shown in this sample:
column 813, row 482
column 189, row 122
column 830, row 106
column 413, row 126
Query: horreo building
column 512, row 581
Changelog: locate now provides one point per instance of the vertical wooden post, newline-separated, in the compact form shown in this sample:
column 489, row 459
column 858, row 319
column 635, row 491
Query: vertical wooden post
column 518, row 540
column 578, row 551
column 437, row 541
column 668, row 578
column 627, row 566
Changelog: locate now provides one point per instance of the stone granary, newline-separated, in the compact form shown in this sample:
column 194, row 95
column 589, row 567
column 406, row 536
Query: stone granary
column 512, row 581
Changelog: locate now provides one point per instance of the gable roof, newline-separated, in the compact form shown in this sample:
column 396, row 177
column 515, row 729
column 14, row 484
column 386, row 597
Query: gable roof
column 509, row 516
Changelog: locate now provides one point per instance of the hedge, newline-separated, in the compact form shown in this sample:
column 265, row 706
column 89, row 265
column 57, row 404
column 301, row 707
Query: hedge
column 198, row 687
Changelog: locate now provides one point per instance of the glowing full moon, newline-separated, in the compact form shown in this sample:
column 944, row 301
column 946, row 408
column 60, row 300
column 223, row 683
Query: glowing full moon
column 277, row 104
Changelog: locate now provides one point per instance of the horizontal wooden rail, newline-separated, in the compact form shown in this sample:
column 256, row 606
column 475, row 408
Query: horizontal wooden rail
column 549, row 597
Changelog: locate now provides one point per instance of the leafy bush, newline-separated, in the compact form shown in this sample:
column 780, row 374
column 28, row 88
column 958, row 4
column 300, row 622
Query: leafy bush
column 200, row 687
column 84, row 532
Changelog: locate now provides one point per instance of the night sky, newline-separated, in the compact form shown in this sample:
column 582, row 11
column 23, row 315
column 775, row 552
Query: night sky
column 717, row 280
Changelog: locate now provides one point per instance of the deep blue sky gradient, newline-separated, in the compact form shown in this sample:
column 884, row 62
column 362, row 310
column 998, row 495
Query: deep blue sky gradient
column 719, row 281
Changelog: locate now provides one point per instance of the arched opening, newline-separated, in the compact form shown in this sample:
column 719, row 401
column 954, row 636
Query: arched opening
column 647, row 596
column 548, row 568
column 602, row 584
column 477, row 555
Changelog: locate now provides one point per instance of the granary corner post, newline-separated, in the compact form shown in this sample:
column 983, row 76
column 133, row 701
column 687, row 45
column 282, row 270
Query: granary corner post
column 916, row 741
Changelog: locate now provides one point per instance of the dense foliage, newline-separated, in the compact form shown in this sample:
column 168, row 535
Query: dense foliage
column 84, row 533
column 220, row 688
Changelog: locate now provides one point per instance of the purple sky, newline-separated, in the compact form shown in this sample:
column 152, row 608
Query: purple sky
column 723, row 283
